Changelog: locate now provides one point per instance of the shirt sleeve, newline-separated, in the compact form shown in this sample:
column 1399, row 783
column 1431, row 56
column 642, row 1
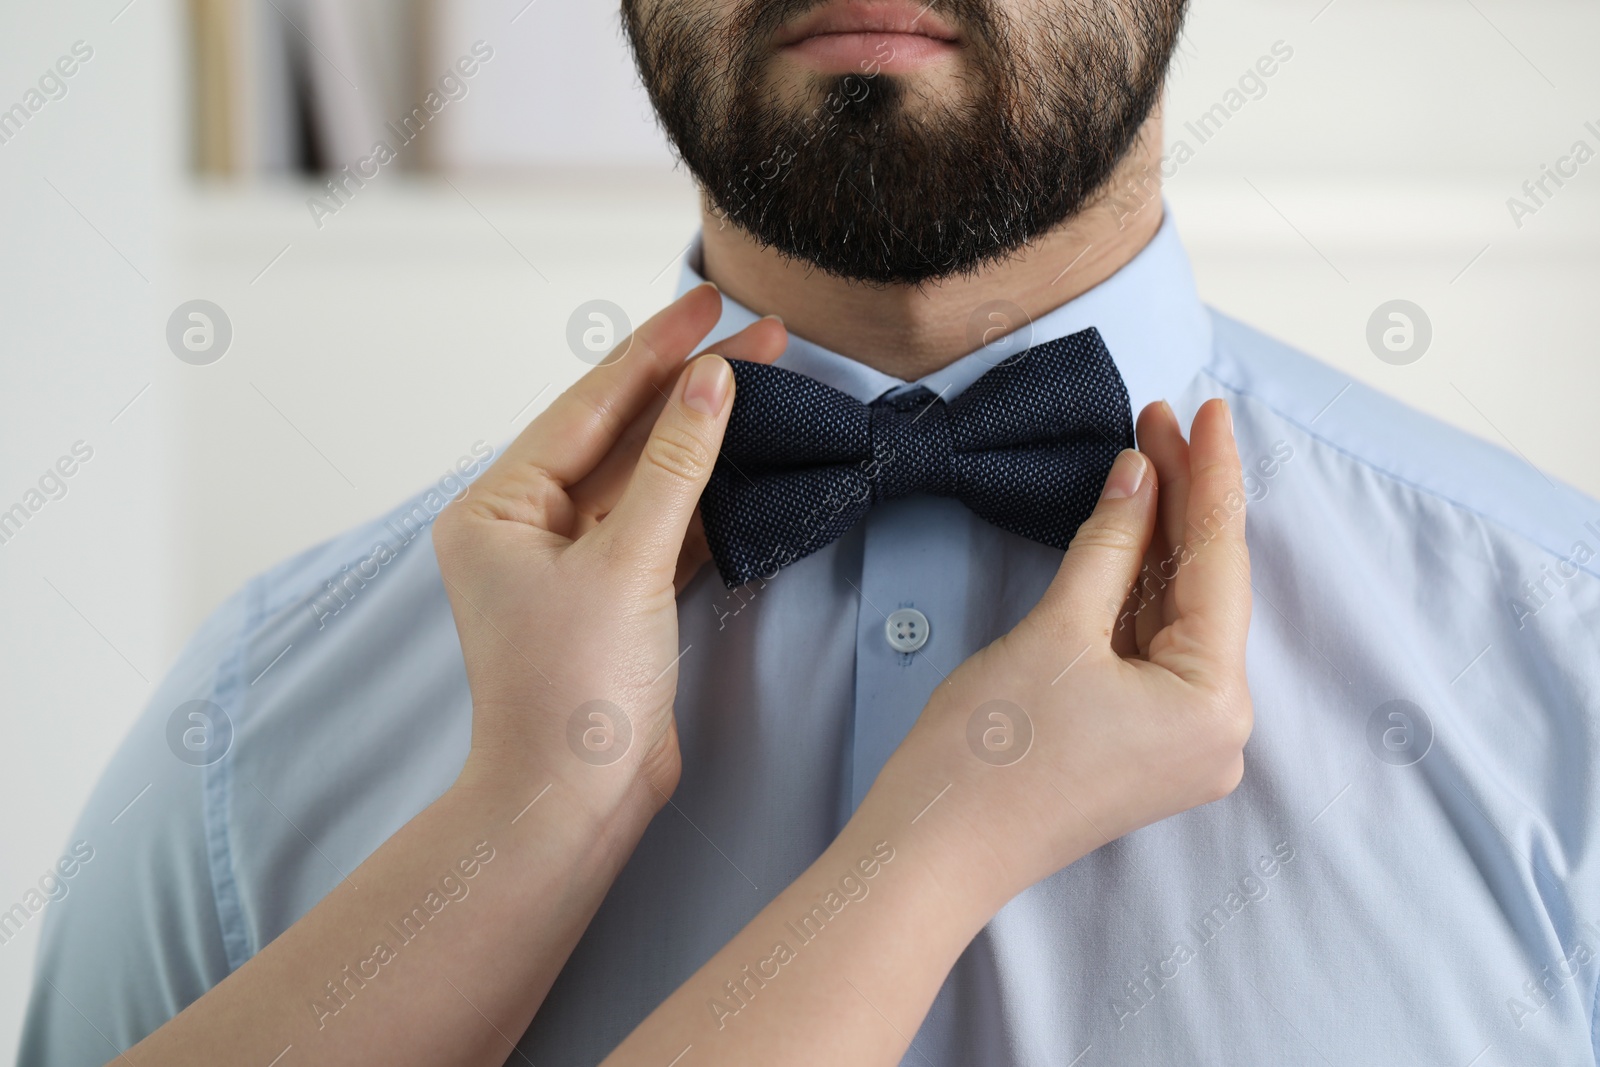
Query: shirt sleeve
column 136, row 936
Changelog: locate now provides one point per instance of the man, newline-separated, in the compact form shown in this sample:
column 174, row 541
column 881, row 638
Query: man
column 1403, row 874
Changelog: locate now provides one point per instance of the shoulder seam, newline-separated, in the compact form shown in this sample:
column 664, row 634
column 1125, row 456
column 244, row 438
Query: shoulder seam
column 1429, row 491
column 1594, row 1016
column 216, row 791
column 377, row 527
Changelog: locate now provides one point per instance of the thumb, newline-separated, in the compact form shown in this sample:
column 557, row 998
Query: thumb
column 1106, row 553
column 652, row 516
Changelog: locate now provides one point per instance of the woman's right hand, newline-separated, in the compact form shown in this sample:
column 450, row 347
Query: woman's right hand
column 563, row 560
column 562, row 564
column 1101, row 712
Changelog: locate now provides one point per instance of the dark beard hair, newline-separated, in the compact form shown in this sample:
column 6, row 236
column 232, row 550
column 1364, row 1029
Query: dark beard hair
column 863, row 189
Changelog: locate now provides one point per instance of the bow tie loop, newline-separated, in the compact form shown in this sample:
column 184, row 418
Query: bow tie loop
column 911, row 442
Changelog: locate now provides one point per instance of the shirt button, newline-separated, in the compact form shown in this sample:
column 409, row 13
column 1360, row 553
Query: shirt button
column 907, row 630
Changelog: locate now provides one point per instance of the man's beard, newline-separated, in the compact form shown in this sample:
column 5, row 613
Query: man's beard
column 867, row 184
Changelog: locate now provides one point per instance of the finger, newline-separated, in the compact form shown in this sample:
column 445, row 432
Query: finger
column 1129, row 630
column 760, row 342
column 1212, row 589
column 694, row 554
column 763, row 341
column 596, row 494
column 1161, row 439
column 1105, row 554
column 650, row 520
column 581, row 425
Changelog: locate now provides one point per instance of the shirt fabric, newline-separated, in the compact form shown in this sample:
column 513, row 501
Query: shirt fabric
column 1420, row 889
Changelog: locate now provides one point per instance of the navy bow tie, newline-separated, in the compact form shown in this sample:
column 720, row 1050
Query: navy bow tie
column 1027, row 447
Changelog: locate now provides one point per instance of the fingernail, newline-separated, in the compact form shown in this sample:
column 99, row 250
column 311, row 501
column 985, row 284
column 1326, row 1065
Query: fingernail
column 707, row 388
column 1127, row 474
column 711, row 283
column 1229, row 409
column 1172, row 416
column 779, row 319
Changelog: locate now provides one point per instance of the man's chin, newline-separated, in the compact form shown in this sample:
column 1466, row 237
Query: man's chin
column 841, row 105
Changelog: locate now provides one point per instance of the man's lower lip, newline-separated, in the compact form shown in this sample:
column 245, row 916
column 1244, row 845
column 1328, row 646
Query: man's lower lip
column 870, row 52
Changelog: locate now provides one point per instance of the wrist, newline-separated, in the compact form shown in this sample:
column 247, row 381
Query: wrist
column 987, row 839
column 604, row 802
column 919, row 813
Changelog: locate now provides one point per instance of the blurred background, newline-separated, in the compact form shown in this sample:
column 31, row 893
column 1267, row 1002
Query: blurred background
column 373, row 332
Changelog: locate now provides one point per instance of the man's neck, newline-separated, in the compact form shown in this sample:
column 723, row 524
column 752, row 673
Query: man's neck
column 906, row 331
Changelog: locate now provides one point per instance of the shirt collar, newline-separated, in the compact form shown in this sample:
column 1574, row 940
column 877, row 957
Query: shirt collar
column 1149, row 314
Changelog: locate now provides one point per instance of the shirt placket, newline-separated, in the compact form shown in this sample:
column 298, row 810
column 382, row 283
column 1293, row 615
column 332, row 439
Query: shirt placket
column 915, row 554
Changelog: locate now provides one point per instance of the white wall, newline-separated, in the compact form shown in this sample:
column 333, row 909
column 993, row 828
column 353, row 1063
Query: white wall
column 88, row 615
column 374, row 351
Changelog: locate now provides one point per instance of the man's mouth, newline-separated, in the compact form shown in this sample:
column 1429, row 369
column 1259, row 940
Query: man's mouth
column 866, row 36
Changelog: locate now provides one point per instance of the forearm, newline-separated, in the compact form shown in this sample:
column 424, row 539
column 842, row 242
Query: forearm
column 438, row 949
column 844, row 964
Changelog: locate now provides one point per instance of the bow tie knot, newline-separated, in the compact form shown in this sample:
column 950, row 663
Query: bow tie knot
column 911, row 442
column 1026, row 447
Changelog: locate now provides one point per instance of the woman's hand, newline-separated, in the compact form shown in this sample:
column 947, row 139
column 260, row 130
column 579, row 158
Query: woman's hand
column 1103, row 710
column 560, row 564
column 563, row 560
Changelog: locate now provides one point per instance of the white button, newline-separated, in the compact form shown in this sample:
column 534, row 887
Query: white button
column 907, row 630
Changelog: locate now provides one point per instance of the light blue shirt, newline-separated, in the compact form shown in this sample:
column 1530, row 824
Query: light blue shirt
column 1393, row 883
